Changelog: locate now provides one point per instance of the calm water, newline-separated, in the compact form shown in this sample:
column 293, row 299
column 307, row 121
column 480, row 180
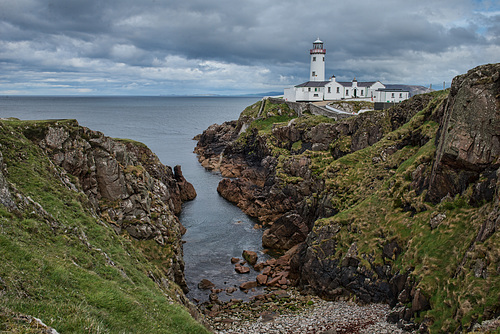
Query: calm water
column 216, row 229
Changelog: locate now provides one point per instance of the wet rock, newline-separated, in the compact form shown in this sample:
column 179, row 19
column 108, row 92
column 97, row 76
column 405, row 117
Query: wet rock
column 234, row 260
column 214, row 298
column 250, row 256
column 248, row 285
column 241, row 269
column 261, row 279
column 259, row 266
column 231, row 290
column 205, row 284
column 186, row 189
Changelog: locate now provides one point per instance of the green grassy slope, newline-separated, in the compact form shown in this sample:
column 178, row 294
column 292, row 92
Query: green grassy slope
column 62, row 264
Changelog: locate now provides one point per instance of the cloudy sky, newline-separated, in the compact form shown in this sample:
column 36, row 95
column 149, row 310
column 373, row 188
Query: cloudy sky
column 191, row 47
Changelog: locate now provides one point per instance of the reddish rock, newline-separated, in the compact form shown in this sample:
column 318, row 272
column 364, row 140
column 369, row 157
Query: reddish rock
column 234, row 260
column 283, row 281
column 186, row 189
column 274, row 281
column 467, row 144
column 241, row 270
column 266, row 270
column 258, row 266
column 231, row 290
column 261, row 279
column 248, row 285
column 205, row 284
column 270, row 262
column 250, row 256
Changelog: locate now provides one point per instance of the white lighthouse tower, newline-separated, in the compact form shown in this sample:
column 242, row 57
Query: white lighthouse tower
column 317, row 61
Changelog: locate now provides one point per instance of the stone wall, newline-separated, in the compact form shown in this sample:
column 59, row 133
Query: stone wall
column 301, row 107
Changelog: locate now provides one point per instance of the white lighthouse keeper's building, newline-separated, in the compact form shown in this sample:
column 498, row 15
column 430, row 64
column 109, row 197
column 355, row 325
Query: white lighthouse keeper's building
column 317, row 89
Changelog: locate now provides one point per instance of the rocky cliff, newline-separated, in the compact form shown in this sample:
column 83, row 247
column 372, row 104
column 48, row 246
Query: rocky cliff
column 397, row 206
column 89, row 222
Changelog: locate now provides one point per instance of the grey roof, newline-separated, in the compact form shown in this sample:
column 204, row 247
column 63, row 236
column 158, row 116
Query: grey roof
column 404, row 88
column 366, row 84
column 360, row 84
column 393, row 90
column 313, row 84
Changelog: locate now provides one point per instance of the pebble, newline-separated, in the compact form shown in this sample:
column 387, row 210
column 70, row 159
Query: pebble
column 324, row 317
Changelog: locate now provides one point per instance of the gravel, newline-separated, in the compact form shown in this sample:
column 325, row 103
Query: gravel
column 322, row 317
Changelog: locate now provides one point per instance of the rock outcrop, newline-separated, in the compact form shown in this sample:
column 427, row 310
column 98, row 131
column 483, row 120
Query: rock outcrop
column 385, row 206
column 468, row 140
column 126, row 184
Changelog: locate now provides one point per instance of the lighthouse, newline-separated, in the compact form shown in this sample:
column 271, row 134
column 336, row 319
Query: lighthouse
column 317, row 61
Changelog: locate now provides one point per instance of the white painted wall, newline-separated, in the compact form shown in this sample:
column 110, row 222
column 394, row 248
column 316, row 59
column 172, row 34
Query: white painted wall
column 392, row 96
column 290, row 94
column 317, row 70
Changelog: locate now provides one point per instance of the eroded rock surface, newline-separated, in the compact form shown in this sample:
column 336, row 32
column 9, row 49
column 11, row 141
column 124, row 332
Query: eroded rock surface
column 126, row 184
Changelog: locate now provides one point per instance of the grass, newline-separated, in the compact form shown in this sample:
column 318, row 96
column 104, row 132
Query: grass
column 373, row 194
column 61, row 264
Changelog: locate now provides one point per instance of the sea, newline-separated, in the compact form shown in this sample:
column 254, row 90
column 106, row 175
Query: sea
column 216, row 229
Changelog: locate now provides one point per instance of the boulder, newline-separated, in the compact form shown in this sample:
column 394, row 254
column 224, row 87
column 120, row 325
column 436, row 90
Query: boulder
column 261, row 279
column 241, row 269
column 205, row 284
column 250, row 256
column 248, row 285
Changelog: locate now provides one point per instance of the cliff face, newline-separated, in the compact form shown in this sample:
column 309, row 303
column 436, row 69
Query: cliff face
column 99, row 216
column 126, row 184
column 399, row 206
column 468, row 140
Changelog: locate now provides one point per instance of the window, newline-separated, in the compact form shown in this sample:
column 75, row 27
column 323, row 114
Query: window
column 362, row 92
column 314, row 74
column 401, row 95
column 329, row 89
column 347, row 92
column 314, row 58
column 338, row 89
column 323, row 58
column 315, row 89
column 392, row 95
column 316, row 95
column 309, row 88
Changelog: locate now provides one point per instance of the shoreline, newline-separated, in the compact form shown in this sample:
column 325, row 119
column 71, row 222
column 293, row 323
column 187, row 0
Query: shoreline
column 290, row 312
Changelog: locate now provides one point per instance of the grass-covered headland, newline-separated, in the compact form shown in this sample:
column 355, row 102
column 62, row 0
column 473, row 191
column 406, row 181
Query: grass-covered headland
column 61, row 262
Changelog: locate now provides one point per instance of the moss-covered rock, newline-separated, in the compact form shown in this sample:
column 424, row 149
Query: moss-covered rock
column 89, row 239
column 401, row 204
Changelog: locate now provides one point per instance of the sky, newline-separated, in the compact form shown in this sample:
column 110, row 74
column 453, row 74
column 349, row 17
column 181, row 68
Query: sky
column 233, row 47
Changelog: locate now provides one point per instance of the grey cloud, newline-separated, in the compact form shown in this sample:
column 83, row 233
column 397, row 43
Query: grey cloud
column 82, row 35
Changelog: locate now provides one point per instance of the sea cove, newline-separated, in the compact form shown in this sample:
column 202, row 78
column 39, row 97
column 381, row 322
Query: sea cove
column 216, row 229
